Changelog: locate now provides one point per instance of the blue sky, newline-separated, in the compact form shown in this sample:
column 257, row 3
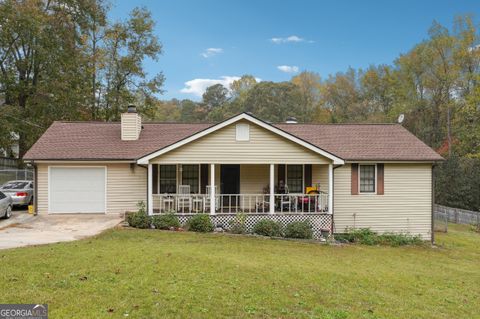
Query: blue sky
column 274, row 40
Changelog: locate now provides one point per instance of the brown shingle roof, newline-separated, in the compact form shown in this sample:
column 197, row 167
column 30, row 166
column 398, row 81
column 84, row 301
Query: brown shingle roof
column 101, row 141
column 97, row 140
column 386, row 142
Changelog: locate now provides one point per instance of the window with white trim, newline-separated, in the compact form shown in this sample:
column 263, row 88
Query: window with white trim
column 295, row 178
column 167, row 179
column 367, row 178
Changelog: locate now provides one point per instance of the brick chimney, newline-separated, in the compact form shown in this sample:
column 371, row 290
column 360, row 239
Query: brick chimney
column 131, row 124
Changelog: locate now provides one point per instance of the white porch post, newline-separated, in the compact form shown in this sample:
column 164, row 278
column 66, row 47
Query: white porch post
column 150, row 190
column 330, row 188
column 272, row 188
column 212, row 189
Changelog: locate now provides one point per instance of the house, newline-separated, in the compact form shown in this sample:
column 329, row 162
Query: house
column 335, row 175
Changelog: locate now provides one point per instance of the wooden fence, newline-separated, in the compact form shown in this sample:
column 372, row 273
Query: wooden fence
column 6, row 163
column 456, row 215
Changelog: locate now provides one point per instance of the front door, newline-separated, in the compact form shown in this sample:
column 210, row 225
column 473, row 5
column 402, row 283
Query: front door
column 230, row 184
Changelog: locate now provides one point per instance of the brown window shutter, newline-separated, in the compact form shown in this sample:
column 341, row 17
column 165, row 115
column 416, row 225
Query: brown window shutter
column 354, row 179
column 308, row 175
column 281, row 173
column 155, row 178
column 204, row 178
column 380, row 179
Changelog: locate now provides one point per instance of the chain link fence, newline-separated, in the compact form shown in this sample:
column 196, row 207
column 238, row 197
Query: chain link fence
column 15, row 174
column 444, row 215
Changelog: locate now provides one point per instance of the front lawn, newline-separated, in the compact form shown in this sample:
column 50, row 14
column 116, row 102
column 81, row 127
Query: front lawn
column 148, row 274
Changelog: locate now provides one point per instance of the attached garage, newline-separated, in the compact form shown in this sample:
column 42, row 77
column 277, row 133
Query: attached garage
column 77, row 189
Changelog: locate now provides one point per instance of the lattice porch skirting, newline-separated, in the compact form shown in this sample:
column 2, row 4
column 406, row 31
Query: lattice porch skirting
column 320, row 222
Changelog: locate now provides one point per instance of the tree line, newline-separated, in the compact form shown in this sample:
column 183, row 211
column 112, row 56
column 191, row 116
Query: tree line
column 66, row 60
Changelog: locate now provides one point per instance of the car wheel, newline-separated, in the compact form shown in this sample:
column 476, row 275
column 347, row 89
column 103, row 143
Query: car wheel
column 8, row 212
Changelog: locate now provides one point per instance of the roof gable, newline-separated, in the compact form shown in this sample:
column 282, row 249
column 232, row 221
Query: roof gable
column 235, row 119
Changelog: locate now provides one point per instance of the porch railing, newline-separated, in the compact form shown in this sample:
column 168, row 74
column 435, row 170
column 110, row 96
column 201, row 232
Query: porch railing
column 246, row 203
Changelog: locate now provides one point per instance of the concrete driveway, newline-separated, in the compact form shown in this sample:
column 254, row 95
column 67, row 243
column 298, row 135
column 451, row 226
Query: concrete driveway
column 23, row 229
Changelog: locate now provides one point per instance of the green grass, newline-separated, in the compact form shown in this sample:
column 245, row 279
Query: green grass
column 148, row 274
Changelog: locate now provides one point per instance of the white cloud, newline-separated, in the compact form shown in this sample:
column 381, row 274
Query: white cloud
column 474, row 48
column 292, row 38
column 288, row 68
column 198, row 86
column 211, row 52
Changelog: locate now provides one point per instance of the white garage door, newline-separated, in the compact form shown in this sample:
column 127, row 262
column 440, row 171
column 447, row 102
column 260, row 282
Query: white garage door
column 77, row 190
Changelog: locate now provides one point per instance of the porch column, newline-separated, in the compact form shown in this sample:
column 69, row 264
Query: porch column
column 272, row 188
column 330, row 188
column 212, row 189
column 150, row 190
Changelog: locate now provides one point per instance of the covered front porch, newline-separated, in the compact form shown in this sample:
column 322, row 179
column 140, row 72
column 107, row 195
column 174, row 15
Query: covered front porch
column 246, row 188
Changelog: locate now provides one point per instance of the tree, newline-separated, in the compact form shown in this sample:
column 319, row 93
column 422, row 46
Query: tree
column 309, row 85
column 63, row 60
column 127, row 44
column 240, row 88
column 274, row 101
column 215, row 96
column 39, row 63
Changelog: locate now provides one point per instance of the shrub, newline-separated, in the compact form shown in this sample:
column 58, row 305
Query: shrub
column 365, row 236
column 139, row 219
column 200, row 223
column 267, row 227
column 166, row 221
column 238, row 225
column 301, row 230
column 396, row 240
column 475, row 227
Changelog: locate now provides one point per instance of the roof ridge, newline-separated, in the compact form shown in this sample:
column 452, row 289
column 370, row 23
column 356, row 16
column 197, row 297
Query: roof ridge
column 213, row 123
column 328, row 124
column 118, row 122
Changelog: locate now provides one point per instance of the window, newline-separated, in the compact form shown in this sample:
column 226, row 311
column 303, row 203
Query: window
column 367, row 178
column 15, row 185
column 168, row 179
column 295, row 178
column 2, row 195
column 190, row 176
column 242, row 132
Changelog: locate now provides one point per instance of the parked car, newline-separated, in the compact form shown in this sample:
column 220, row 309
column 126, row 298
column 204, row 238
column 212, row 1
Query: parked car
column 5, row 205
column 20, row 191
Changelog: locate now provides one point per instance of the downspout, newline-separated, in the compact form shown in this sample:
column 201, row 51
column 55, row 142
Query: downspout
column 35, row 188
column 332, row 226
column 146, row 173
column 433, row 203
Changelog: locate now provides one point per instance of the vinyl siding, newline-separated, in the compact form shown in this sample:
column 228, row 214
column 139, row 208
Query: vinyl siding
column 320, row 176
column 125, row 187
column 253, row 178
column 405, row 206
column 131, row 126
column 264, row 147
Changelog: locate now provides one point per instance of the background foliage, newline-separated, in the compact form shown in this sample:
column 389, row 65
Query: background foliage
column 65, row 60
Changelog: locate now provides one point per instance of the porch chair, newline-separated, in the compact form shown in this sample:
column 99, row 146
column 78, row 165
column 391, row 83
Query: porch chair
column 286, row 200
column 184, row 200
column 207, row 201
